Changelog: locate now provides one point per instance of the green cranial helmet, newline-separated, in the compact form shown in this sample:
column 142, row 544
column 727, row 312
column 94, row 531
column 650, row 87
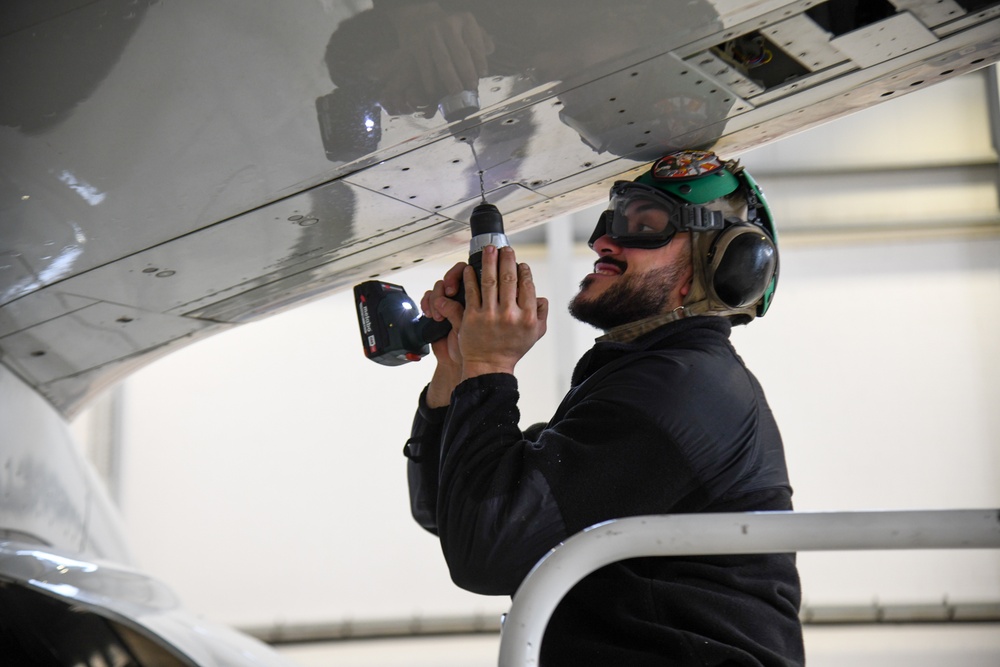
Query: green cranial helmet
column 734, row 256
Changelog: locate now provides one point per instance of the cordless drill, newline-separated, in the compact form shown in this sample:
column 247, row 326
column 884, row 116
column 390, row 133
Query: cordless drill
column 393, row 331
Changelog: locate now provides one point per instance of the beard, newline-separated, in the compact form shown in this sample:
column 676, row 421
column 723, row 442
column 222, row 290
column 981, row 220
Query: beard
column 630, row 299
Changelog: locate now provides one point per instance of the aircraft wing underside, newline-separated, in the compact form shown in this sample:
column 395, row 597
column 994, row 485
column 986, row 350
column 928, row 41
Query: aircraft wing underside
column 169, row 170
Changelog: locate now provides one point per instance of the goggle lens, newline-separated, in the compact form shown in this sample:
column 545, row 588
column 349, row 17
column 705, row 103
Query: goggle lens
column 637, row 219
column 635, row 216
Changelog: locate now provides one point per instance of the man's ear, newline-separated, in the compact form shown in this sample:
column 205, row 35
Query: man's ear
column 686, row 287
column 688, row 282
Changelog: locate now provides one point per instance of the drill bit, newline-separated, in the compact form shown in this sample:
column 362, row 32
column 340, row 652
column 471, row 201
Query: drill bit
column 479, row 170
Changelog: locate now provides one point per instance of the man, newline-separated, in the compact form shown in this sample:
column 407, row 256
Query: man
column 662, row 417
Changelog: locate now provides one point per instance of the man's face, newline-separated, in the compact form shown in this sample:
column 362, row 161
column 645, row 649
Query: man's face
column 630, row 284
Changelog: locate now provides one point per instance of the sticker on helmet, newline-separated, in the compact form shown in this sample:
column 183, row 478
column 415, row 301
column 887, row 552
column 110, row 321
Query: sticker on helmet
column 686, row 164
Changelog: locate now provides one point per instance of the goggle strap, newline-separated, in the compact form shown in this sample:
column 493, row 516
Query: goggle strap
column 701, row 219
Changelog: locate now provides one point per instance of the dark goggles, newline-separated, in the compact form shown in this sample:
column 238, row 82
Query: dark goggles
column 641, row 216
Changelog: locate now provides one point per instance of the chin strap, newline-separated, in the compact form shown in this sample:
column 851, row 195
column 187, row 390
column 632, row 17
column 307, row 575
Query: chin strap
column 626, row 333
column 629, row 332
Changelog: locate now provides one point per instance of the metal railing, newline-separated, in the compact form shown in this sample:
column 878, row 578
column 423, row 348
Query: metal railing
column 713, row 534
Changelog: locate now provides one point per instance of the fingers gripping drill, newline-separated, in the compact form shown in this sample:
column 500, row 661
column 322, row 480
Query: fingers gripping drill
column 392, row 330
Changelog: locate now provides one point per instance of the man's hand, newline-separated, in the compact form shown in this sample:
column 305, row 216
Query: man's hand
column 448, row 372
column 502, row 318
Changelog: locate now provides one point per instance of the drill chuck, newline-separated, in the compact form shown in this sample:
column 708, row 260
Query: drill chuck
column 487, row 229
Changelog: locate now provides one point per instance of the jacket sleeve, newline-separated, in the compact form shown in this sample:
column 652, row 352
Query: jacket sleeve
column 423, row 450
column 496, row 513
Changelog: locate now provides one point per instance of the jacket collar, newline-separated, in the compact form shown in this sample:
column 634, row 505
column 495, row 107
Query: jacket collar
column 661, row 336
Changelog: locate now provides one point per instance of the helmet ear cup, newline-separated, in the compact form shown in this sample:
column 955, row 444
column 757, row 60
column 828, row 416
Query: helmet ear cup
column 742, row 262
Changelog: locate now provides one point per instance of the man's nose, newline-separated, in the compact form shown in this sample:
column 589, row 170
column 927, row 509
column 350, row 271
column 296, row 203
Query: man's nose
column 605, row 245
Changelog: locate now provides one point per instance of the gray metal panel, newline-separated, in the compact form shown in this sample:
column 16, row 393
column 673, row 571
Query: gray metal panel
column 38, row 307
column 377, row 261
column 90, row 337
column 931, row 13
column 883, row 40
column 805, row 41
column 281, row 239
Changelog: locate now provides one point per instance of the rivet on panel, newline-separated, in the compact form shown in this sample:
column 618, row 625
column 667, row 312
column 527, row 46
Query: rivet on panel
column 165, row 274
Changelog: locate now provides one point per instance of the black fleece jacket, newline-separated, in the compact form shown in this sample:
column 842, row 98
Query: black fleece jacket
column 670, row 423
